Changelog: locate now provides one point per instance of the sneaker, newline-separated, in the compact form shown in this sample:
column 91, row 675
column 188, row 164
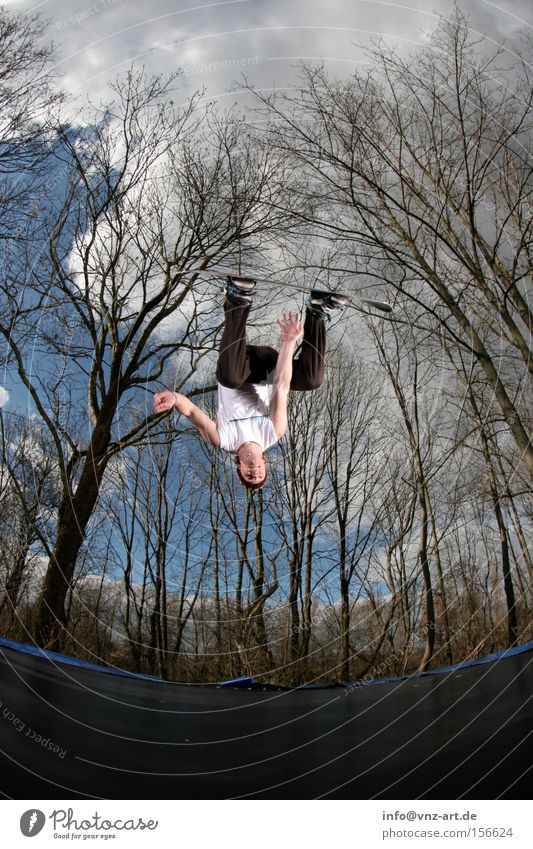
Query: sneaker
column 239, row 290
column 322, row 303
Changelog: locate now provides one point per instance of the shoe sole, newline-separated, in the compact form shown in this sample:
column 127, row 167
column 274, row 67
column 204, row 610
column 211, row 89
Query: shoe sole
column 245, row 284
column 334, row 299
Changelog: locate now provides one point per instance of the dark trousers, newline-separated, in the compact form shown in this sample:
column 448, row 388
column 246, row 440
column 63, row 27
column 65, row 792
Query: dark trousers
column 240, row 363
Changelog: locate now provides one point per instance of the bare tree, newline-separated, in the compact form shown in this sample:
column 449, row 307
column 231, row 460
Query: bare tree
column 28, row 499
column 248, row 568
column 356, row 467
column 28, row 106
column 155, row 194
column 161, row 558
column 478, row 411
column 420, row 177
column 301, row 506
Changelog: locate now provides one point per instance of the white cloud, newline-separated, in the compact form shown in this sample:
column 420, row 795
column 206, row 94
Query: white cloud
column 100, row 39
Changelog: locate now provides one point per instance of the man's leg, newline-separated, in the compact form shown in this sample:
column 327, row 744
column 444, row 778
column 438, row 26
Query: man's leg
column 238, row 362
column 308, row 368
column 233, row 367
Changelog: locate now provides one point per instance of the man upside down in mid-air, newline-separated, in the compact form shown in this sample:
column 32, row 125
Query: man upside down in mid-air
column 254, row 380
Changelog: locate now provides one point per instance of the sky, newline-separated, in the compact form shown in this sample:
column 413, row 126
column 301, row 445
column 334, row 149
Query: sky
column 215, row 42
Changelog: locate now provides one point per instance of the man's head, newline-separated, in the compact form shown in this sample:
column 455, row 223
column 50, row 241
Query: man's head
column 251, row 466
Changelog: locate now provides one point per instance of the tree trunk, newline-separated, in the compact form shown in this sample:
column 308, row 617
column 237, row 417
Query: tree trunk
column 50, row 620
column 428, row 595
column 345, row 629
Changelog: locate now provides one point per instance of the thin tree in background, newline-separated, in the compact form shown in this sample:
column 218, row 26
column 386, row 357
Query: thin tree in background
column 356, row 474
column 300, row 508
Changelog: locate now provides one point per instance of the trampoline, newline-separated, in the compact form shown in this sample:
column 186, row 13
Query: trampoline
column 75, row 730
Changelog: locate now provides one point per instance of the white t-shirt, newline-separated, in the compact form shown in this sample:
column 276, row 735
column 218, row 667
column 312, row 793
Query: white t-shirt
column 244, row 415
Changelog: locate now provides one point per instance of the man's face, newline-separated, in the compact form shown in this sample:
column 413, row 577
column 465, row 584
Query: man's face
column 251, row 462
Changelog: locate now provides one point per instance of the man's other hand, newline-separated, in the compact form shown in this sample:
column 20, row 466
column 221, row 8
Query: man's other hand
column 291, row 327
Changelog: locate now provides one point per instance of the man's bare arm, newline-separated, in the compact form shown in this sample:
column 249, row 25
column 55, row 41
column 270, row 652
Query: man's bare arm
column 291, row 330
column 206, row 427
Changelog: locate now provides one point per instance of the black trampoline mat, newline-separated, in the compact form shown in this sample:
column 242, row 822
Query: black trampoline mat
column 68, row 732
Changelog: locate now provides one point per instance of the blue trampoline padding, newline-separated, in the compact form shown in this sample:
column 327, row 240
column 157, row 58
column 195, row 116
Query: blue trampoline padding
column 487, row 658
column 442, row 670
column 68, row 660
column 247, row 683
column 239, row 682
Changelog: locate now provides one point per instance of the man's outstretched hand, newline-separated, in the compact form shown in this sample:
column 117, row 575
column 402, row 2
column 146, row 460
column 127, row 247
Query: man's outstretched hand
column 291, row 327
column 164, row 401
